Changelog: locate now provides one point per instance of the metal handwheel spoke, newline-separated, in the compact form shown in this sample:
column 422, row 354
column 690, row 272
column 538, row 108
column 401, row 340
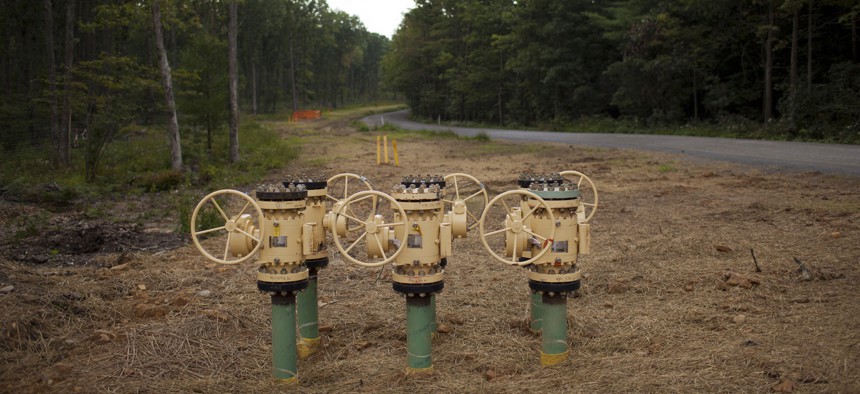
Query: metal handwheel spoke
column 507, row 208
column 218, row 207
column 379, row 244
column 226, row 250
column 356, row 242
column 514, row 253
column 211, row 230
column 248, row 235
column 542, row 238
column 352, row 218
column 491, row 233
column 531, row 212
column 243, row 209
column 473, row 195
column 456, row 188
column 473, row 217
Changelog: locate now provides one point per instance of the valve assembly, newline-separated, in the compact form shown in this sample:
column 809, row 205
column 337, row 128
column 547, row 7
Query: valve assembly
column 543, row 226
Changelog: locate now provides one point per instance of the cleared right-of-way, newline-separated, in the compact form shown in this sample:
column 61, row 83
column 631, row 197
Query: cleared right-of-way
column 801, row 156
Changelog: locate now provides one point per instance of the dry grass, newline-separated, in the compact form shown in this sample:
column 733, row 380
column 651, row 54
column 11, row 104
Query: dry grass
column 671, row 326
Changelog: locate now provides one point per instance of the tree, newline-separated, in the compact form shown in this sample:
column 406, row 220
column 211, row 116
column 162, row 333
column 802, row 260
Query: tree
column 167, row 84
column 234, row 83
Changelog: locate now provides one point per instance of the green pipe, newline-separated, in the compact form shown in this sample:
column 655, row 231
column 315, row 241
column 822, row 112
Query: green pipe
column 433, row 311
column 308, row 310
column 554, row 330
column 536, row 321
column 419, row 327
column 284, row 338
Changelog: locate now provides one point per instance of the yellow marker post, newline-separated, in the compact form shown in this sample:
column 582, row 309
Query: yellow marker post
column 396, row 159
column 378, row 152
column 385, row 147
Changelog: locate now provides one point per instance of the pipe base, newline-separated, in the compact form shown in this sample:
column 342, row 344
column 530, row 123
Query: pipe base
column 290, row 381
column 419, row 371
column 547, row 360
column 307, row 346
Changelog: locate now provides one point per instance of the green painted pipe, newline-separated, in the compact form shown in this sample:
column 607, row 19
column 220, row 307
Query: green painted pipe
column 554, row 330
column 284, row 366
column 536, row 321
column 419, row 327
column 308, row 310
column 433, row 310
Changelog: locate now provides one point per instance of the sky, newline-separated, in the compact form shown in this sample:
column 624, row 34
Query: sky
column 378, row 16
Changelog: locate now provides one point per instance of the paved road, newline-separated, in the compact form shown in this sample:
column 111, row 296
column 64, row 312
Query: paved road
column 800, row 156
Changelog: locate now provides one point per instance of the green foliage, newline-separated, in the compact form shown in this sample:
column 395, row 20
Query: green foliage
column 648, row 63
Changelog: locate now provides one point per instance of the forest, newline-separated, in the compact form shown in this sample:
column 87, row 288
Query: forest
column 788, row 67
column 77, row 74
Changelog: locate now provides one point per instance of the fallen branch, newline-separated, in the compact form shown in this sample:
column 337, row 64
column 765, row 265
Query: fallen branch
column 802, row 266
column 755, row 261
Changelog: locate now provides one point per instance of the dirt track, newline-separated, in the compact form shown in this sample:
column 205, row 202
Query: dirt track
column 670, row 303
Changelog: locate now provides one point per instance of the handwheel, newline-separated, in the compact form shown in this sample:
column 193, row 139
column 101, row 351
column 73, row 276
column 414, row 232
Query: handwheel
column 517, row 235
column 589, row 203
column 339, row 190
column 373, row 235
column 235, row 226
column 470, row 191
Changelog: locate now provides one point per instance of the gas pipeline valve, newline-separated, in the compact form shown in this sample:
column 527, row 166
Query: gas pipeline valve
column 545, row 227
column 411, row 228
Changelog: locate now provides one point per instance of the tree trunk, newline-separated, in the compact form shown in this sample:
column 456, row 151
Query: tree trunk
column 253, row 87
column 854, row 53
column 695, row 97
column 167, row 82
column 767, row 111
column 66, row 130
column 234, row 83
column 795, row 27
column 293, row 78
column 52, row 79
column 809, row 29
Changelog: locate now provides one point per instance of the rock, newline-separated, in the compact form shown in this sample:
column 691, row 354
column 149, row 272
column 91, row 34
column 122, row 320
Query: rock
column 103, row 336
column 180, row 301
column 784, row 386
column 216, row 315
column 120, row 267
column 204, row 294
column 836, row 234
column 362, row 345
column 325, row 328
column 607, row 304
column 141, row 287
column 6, row 289
column 40, row 259
column 750, row 342
column 617, row 287
column 801, row 300
column 724, row 249
column 490, row 375
column 455, row 319
column 734, row 279
column 147, row 311
column 443, row 328
column 739, row 319
column 224, row 269
column 689, row 287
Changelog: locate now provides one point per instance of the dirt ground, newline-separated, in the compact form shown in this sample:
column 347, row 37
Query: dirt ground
column 670, row 302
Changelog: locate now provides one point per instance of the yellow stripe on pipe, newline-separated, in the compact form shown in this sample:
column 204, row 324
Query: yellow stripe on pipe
column 553, row 359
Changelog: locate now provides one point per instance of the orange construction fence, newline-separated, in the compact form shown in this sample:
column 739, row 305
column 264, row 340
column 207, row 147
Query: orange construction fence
column 307, row 114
